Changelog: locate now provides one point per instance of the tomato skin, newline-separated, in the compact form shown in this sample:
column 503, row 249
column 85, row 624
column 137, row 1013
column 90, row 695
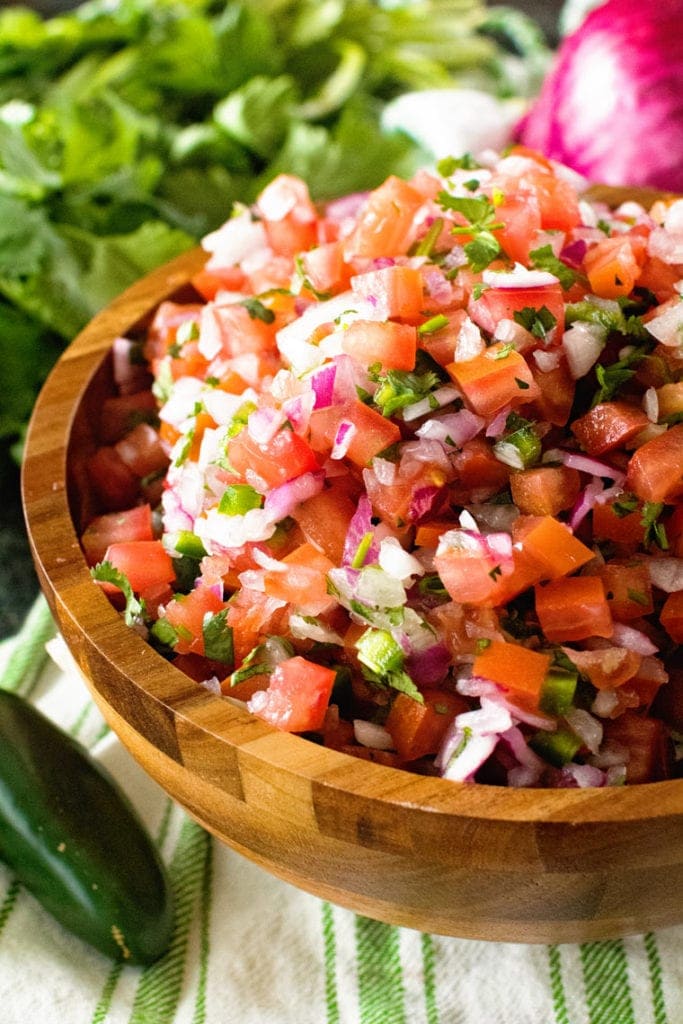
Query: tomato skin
column 613, row 265
column 146, row 563
column 496, row 304
column 521, row 219
column 396, row 292
column 373, row 432
column 550, row 545
column 545, row 490
column 646, row 740
column 297, row 696
column 120, row 413
column 115, row 484
column 112, row 527
column 418, row 729
column 385, row 224
column 325, row 517
column 608, row 425
column 284, row 457
column 494, row 379
column 573, row 608
column 289, row 217
column 628, row 588
column 655, row 470
column 142, row 451
column 556, row 389
column 393, row 345
column 513, row 667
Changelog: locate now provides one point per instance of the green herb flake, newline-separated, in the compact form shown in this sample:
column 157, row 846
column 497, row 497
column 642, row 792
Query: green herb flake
column 539, row 322
column 217, row 634
column 545, row 259
column 257, row 311
column 106, row 572
column 655, row 532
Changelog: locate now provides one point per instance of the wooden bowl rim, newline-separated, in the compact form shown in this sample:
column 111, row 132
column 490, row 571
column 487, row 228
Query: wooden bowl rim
column 46, row 502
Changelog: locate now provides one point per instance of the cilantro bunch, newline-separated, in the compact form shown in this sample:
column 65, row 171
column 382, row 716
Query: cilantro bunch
column 128, row 130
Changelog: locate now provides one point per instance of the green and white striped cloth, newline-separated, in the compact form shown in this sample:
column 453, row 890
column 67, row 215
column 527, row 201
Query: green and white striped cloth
column 249, row 949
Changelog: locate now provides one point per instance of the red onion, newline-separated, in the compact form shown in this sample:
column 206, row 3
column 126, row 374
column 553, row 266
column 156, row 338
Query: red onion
column 633, row 639
column 281, row 501
column 322, row 382
column 612, row 105
column 342, row 439
column 585, row 464
column 360, row 525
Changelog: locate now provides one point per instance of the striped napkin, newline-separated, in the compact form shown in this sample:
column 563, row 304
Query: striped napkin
column 250, row 949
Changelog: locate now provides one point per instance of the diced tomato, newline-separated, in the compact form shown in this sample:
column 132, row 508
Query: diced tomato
column 479, row 474
column 545, row 490
column 608, row 667
column 252, row 616
column 627, row 531
column 520, row 215
column 573, row 608
column 113, row 482
column 142, row 451
column 187, row 612
column 392, row 345
column 297, row 696
column 514, row 668
column 407, row 497
column 325, row 268
column 498, row 377
column 551, row 545
column 324, row 519
column 242, row 330
column 496, row 304
column 556, row 389
column 467, row 568
column 302, row 581
column 120, row 413
column 284, row 457
column 395, row 292
column 648, row 752
column 655, row 470
column 671, row 616
column 371, row 432
column 628, row 589
column 209, row 282
column 289, row 217
column 113, row 527
column 608, row 425
column 613, row 265
column 418, row 729
column 144, row 562
column 385, row 224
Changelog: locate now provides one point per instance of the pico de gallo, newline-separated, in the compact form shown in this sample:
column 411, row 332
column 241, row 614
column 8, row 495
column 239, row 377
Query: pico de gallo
column 403, row 474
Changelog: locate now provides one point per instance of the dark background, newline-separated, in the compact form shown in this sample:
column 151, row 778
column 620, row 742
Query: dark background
column 18, row 585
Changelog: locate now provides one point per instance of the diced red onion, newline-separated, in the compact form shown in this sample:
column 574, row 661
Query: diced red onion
column 421, row 501
column 322, row 383
column 129, row 375
column 359, row 526
column 384, row 470
column 475, row 753
column 585, row 502
column 633, row 639
column 298, row 411
column 429, row 667
column 236, row 238
column 442, row 396
column 583, row 775
column 585, row 464
column 586, row 727
column 281, row 501
column 264, row 423
column 347, row 207
column 497, row 425
column 346, row 431
column 666, row 573
column 573, row 253
column 582, row 344
column 369, row 734
column 667, row 326
column 398, row 562
column 520, row 277
column 452, row 428
column 605, row 703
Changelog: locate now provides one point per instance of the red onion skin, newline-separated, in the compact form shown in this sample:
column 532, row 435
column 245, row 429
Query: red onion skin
column 611, row 106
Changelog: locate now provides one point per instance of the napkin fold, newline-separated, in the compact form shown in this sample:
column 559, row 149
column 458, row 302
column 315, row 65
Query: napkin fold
column 250, row 949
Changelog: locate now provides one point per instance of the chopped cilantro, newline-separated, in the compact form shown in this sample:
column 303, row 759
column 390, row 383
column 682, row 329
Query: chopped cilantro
column 655, row 532
column 606, row 316
column 399, row 388
column 217, row 635
column 434, row 324
column 480, row 214
column 624, row 505
column 545, row 259
column 450, row 164
column 105, row 572
column 257, row 311
column 538, row 322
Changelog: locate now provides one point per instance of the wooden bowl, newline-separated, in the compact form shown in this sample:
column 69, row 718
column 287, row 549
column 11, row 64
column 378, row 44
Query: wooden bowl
column 458, row 859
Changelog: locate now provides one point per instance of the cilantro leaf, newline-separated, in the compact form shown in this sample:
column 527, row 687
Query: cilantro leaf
column 655, row 532
column 538, row 322
column 105, row 572
column 400, row 388
column 218, row 645
column 545, row 259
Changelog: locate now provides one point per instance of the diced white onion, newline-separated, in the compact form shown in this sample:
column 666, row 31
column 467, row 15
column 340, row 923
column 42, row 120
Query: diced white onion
column 368, row 734
column 582, row 344
column 666, row 573
column 520, row 277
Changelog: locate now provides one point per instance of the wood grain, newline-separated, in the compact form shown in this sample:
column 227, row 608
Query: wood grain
column 466, row 860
